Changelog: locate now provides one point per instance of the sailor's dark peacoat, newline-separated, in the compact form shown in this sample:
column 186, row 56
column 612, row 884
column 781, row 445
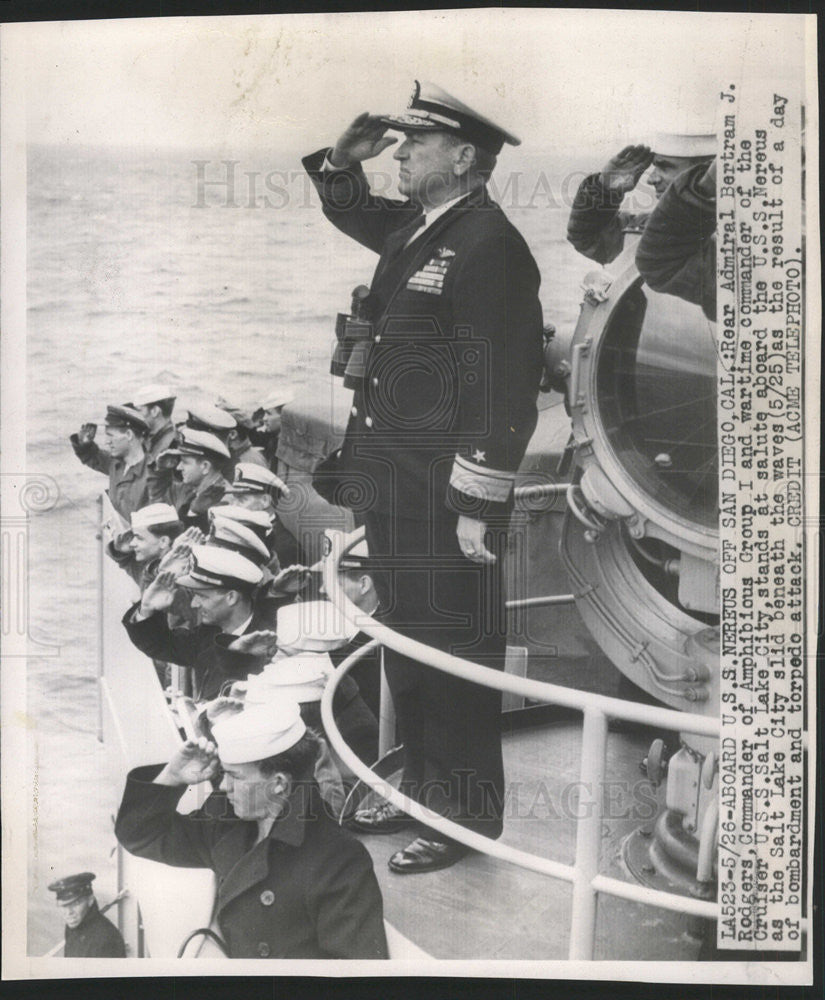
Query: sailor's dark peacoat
column 94, row 937
column 308, row 890
column 597, row 225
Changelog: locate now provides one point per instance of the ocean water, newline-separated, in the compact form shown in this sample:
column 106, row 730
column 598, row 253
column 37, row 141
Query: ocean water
column 140, row 269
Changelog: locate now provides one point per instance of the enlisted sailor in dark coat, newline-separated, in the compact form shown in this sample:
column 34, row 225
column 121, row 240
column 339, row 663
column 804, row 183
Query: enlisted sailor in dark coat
column 445, row 403
column 125, row 463
column 598, row 224
column 677, row 252
column 88, row 933
column 291, row 882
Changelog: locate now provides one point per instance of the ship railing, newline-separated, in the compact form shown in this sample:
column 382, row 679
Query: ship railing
column 584, row 874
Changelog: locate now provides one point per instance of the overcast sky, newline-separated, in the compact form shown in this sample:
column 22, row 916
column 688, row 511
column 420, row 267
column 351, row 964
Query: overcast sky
column 561, row 79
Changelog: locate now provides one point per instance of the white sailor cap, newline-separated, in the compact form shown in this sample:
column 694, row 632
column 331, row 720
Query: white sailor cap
column 300, row 678
column 258, row 521
column 229, row 534
column 276, row 398
column 154, row 514
column 205, row 417
column 154, row 393
column 313, row 626
column 199, row 443
column 213, row 566
column 252, row 478
column 258, row 732
column 683, row 144
column 430, row 107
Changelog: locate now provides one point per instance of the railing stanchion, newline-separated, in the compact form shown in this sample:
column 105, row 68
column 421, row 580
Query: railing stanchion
column 588, row 835
column 386, row 712
column 101, row 587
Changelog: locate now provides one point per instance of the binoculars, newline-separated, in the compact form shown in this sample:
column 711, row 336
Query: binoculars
column 353, row 334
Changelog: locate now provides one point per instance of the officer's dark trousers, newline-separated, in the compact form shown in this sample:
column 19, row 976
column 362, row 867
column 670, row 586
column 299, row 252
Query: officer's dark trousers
column 450, row 728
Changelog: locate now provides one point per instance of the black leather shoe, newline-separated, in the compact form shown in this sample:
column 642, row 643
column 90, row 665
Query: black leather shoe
column 382, row 818
column 424, row 855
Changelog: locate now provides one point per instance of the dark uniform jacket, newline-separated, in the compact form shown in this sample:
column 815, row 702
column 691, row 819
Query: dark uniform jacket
column 597, row 227
column 94, row 937
column 162, row 439
column 448, row 403
column 129, row 488
column 194, row 510
column 203, row 648
column 677, row 252
column 306, row 891
column 249, row 453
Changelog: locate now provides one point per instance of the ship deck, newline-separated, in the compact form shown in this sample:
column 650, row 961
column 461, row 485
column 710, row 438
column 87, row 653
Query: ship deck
column 483, row 908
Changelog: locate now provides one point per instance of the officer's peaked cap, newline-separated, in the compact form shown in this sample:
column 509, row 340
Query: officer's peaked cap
column 213, row 566
column 432, row 108
column 73, row 887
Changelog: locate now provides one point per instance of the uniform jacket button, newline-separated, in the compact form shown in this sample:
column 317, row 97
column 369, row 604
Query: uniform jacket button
column 354, row 411
column 368, row 421
column 267, row 897
column 263, row 949
column 377, row 339
column 375, row 381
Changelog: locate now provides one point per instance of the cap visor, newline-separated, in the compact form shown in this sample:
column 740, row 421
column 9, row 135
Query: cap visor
column 191, row 584
column 412, row 123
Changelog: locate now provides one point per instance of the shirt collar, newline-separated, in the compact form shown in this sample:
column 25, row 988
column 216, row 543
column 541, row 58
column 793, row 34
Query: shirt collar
column 208, row 481
column 242, row 627
column 436, row 213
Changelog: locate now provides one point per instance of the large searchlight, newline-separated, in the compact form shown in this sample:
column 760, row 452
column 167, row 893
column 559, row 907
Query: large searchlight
column 640, row 536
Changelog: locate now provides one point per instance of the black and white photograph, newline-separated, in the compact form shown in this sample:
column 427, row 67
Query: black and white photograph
column 410, row 456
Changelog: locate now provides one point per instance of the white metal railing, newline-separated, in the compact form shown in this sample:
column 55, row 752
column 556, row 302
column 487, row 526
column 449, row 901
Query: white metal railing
column 584, row 873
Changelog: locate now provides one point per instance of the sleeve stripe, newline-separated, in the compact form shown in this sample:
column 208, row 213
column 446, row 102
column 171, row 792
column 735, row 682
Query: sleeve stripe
column 482, row 470
column 475, row 482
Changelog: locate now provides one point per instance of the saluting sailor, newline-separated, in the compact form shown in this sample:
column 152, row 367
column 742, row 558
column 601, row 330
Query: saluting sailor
column 201, row 459
column 125, row 462
column 291, row 882
column 444, row 406
column 259, row 489
column 598, row 225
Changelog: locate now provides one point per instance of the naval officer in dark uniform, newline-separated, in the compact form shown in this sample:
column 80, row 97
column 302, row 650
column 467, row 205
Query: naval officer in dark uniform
column 88, row 933
column 444, row 407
